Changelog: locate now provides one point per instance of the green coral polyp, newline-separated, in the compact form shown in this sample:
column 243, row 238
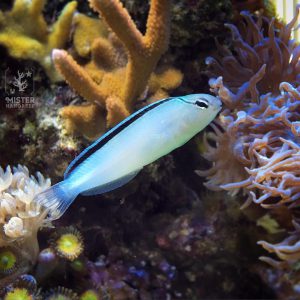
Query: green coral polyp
column 18, row 294
column 68, row 243
column 8, row 261
column 89, row 295
column 78, row 265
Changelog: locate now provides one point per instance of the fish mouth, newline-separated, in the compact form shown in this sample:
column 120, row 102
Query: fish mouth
column 217, row 105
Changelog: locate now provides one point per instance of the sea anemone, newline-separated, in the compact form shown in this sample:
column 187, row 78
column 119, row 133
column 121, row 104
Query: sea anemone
column 67, row 243
column 19, row 218
column 257, row 42
column 263, row 151
column 256, row 135
column 254, row 146
column 287, row 250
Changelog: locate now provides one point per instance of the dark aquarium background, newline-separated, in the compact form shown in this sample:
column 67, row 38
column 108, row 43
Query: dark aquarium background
column 217, row 218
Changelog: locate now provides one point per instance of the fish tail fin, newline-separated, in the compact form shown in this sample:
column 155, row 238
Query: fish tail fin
column 56, row 199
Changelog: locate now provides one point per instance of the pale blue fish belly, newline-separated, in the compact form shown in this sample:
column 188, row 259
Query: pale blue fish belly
column 115, row 158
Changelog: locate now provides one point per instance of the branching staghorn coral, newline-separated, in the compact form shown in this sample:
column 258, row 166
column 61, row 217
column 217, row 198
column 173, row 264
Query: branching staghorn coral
column 255, row 143
column 26, row 35
column 19, row 219
column 121, row 65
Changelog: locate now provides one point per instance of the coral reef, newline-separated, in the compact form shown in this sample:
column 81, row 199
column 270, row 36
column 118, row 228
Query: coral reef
column 162, row 236
column 162, row 258
column 254, row 145
column 26, row 35
column 121, row 65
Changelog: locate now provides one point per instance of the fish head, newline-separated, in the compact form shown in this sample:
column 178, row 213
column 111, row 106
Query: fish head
column 203, row 102
column 199, row 110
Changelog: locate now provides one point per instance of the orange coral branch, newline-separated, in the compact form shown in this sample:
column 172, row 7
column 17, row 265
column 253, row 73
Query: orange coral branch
column 143, row 51
column 120, row 22
column 122, row 64
column 76, row 76
column 89, row 117
column 158, row 26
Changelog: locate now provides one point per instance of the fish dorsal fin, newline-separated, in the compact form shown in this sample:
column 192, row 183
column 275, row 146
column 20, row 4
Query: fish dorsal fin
column 111, row 185
column 109, row 135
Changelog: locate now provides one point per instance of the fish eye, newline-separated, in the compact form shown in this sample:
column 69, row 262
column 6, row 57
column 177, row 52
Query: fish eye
column 202, row 104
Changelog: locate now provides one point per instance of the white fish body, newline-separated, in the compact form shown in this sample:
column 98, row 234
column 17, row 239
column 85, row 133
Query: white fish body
column 115, row 158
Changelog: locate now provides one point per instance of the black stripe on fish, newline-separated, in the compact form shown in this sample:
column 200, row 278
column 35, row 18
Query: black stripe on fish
column 112, row 133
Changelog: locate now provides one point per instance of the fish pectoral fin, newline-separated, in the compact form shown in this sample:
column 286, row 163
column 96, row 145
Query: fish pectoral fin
column 111, row 185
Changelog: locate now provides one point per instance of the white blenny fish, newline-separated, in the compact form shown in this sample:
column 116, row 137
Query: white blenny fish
column 116, row 157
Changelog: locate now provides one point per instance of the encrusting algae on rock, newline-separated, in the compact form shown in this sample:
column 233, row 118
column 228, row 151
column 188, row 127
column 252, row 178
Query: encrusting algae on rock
column 26, row 35
column 121, row 66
